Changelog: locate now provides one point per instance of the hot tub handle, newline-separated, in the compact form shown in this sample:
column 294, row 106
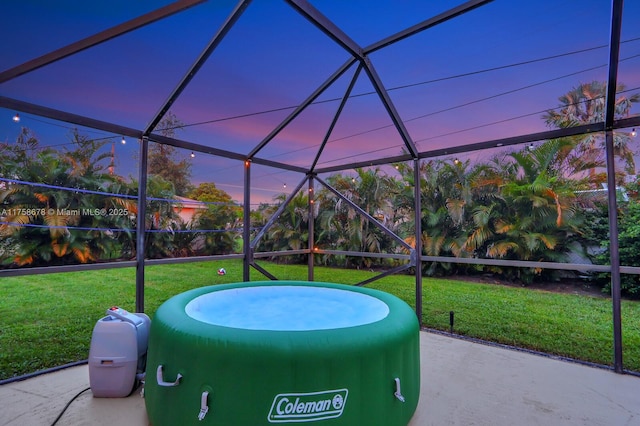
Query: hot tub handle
column 161, row 381
column 204, row 408
column 398, row 392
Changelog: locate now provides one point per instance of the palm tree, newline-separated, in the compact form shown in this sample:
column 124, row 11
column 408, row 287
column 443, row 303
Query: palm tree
column 161, row 218
column 49, row 225
column 447, row 197
column 532, row 214
column 290, row 231
column 585, row 104
column 88, row 170
column 344, row 228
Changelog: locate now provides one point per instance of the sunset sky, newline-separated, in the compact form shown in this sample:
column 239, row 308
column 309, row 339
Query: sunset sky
column 488, row 74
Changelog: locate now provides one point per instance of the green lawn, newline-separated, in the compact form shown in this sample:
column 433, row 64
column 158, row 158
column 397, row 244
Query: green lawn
column 47, row 320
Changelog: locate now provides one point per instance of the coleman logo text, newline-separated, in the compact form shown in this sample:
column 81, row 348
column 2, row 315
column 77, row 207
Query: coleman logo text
column 308, row 407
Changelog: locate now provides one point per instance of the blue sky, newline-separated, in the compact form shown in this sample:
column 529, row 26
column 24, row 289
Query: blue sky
column 488, row 74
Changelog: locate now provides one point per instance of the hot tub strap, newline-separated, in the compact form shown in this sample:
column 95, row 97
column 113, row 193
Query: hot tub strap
column 398, row 392
column 204, row 408
column 161, row 381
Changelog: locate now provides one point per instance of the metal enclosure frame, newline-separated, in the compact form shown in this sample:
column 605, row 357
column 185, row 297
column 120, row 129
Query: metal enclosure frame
column 360, row 61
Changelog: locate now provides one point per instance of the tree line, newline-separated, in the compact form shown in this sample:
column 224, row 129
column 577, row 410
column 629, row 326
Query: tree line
column 66, row 206
column 541, row 202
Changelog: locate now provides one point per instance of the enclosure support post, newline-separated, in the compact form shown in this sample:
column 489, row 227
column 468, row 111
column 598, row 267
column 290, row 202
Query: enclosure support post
column 417, row 253
column 140, row 223
column 615, row 255
column 612, row 83
column 246, row 227
column 311, row 230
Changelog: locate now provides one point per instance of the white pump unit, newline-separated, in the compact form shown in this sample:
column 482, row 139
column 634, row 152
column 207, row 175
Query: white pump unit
column 118, row 351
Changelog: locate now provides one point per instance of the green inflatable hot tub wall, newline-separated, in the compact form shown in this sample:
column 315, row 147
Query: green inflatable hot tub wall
column 342, row 376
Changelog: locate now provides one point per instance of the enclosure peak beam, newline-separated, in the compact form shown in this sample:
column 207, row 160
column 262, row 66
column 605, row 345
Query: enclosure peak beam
column 426, row 24
column 302, row 106
column 389, row 106
column 68, row 117
column 193, row 70
column 98, row 38
column 327, row 26
column 343, row 102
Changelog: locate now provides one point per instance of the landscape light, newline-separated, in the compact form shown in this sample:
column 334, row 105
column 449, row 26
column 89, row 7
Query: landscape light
column 16, row 118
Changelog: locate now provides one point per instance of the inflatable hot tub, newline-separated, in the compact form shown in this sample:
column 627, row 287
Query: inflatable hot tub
column 283, row 352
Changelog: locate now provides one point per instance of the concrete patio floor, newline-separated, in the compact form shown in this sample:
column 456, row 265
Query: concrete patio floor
column 462, row 383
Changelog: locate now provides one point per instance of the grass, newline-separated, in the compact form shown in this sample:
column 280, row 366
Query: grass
column 47, row 320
